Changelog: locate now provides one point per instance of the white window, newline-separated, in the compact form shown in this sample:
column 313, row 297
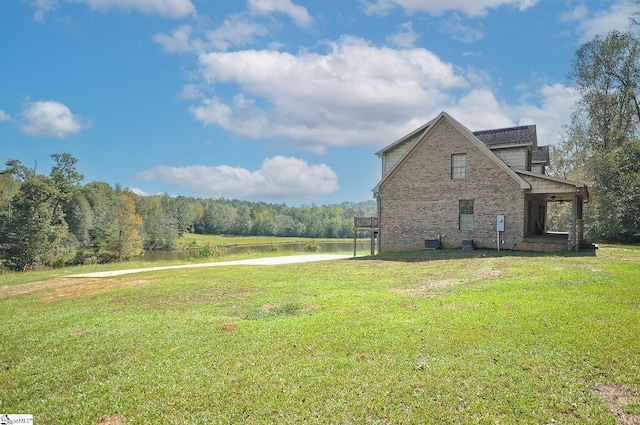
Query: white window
column 459, row 166
column 466, row 214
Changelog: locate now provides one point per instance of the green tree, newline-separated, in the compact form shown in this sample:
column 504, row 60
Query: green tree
column 183, row 211
column 126, row 242
column 65, row 177
column 26, row 232
column 160, row 228
column 218, row 218
column 79, row 218
column 604, row 133
column 33, row 229
column 243, row 223
column 104, row 206
column 9, row 187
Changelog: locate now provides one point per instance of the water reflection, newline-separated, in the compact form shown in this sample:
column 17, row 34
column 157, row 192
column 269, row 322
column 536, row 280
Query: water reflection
column 325, row 247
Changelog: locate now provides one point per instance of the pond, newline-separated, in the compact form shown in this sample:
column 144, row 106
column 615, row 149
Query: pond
column 326, row 247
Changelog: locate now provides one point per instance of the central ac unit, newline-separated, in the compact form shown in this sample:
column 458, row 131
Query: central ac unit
column 432, row 243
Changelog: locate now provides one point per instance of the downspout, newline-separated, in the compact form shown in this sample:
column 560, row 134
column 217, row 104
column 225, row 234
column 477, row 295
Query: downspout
column 378, row 209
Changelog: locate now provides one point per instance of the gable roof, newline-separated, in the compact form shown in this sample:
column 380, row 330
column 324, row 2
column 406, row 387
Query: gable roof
column 499, row 137
column 428, row 129
column 523, row 135
column 403, row 139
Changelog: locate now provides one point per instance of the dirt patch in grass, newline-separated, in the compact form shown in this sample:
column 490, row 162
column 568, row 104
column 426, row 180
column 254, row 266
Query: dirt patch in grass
column 229, row 328
column 94, row 286
column 64, row 287
column 487, row 272
column 623, row 402
column 41, row 285
column 111, row 420
column 427, row 289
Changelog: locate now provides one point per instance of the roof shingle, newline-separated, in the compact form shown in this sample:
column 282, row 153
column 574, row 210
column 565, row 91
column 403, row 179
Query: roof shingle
column 525, row 134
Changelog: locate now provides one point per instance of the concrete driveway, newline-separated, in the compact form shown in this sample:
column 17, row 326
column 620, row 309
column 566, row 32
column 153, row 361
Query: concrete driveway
column 267, row 261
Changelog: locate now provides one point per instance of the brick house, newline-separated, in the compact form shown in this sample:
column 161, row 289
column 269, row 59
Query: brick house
column 446, row 185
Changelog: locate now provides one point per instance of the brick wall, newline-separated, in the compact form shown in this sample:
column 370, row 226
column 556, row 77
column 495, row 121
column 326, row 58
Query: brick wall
column 420, row 199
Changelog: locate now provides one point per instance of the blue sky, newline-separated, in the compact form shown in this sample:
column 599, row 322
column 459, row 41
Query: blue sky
column 275, row 100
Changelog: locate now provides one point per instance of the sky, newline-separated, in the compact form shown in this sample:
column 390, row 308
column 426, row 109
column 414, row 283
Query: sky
column 281, row 101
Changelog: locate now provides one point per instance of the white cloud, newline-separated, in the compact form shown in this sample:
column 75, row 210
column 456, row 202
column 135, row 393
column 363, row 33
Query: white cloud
column 190, row 92
column 549, row 109
column 236, row 30
column 557, row 102
column 279, row 178
column 179, row 40
column 480, row 110
column 578, row 13
column 351, row 94
column 354, row 94
column 378, row 8
column 166, row 8
column 51, row 119
column 405, row 37
column 4, row 117
column 459, row 31
column 42, row 7
column 138, row 192
column 298, row 14
column 602, row 21
column 436, row 7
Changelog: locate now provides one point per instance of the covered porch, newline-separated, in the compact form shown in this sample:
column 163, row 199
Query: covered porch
column 545, row 190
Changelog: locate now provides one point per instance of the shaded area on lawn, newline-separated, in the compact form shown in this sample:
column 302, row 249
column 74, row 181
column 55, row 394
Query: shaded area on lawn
column 455, row 254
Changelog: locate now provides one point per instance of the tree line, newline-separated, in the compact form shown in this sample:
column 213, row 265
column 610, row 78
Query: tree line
column 52, row 220
column 601, row 146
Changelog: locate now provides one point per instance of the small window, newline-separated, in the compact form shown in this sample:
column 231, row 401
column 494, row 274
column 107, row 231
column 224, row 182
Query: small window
column 459, row 166
column 466, row 214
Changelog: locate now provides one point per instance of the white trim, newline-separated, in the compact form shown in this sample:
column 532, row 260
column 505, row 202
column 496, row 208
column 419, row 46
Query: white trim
column 404, row 138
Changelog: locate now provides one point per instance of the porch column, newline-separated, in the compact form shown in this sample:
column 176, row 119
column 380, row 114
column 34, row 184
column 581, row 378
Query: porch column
column 580, row 221
column 574, row 244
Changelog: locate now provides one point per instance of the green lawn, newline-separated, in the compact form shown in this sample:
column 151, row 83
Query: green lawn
column 451, row 337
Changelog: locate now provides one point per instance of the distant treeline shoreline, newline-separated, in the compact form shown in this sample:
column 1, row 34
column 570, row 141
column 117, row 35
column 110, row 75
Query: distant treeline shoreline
column 52, row 220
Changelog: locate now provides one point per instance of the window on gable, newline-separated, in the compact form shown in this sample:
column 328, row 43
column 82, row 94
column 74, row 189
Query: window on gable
column 459, row 166
column 466, row 214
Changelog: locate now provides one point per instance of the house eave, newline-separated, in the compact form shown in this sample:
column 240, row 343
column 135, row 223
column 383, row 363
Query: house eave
column 401, row 140
column 576, row 187
column 507, row 146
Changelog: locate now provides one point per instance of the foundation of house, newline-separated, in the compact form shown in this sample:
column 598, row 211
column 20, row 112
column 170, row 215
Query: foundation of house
column 549, row 242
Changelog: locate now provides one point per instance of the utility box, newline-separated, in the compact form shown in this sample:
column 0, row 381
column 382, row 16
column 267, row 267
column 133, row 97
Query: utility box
column 432, row 243
column 467, row 244
column 500, row 222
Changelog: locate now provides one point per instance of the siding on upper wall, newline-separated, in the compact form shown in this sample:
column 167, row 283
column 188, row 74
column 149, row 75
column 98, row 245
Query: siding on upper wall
column 538, row 168
column 395, row 154
column 420, row 199
column 515, row 157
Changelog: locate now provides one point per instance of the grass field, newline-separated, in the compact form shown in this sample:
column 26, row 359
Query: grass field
column 189, row 240
column 434, row 337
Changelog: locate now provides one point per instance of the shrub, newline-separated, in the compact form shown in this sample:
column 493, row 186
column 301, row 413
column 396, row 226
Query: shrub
column 207, row 252
column 275, row 247
column 312, row 246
